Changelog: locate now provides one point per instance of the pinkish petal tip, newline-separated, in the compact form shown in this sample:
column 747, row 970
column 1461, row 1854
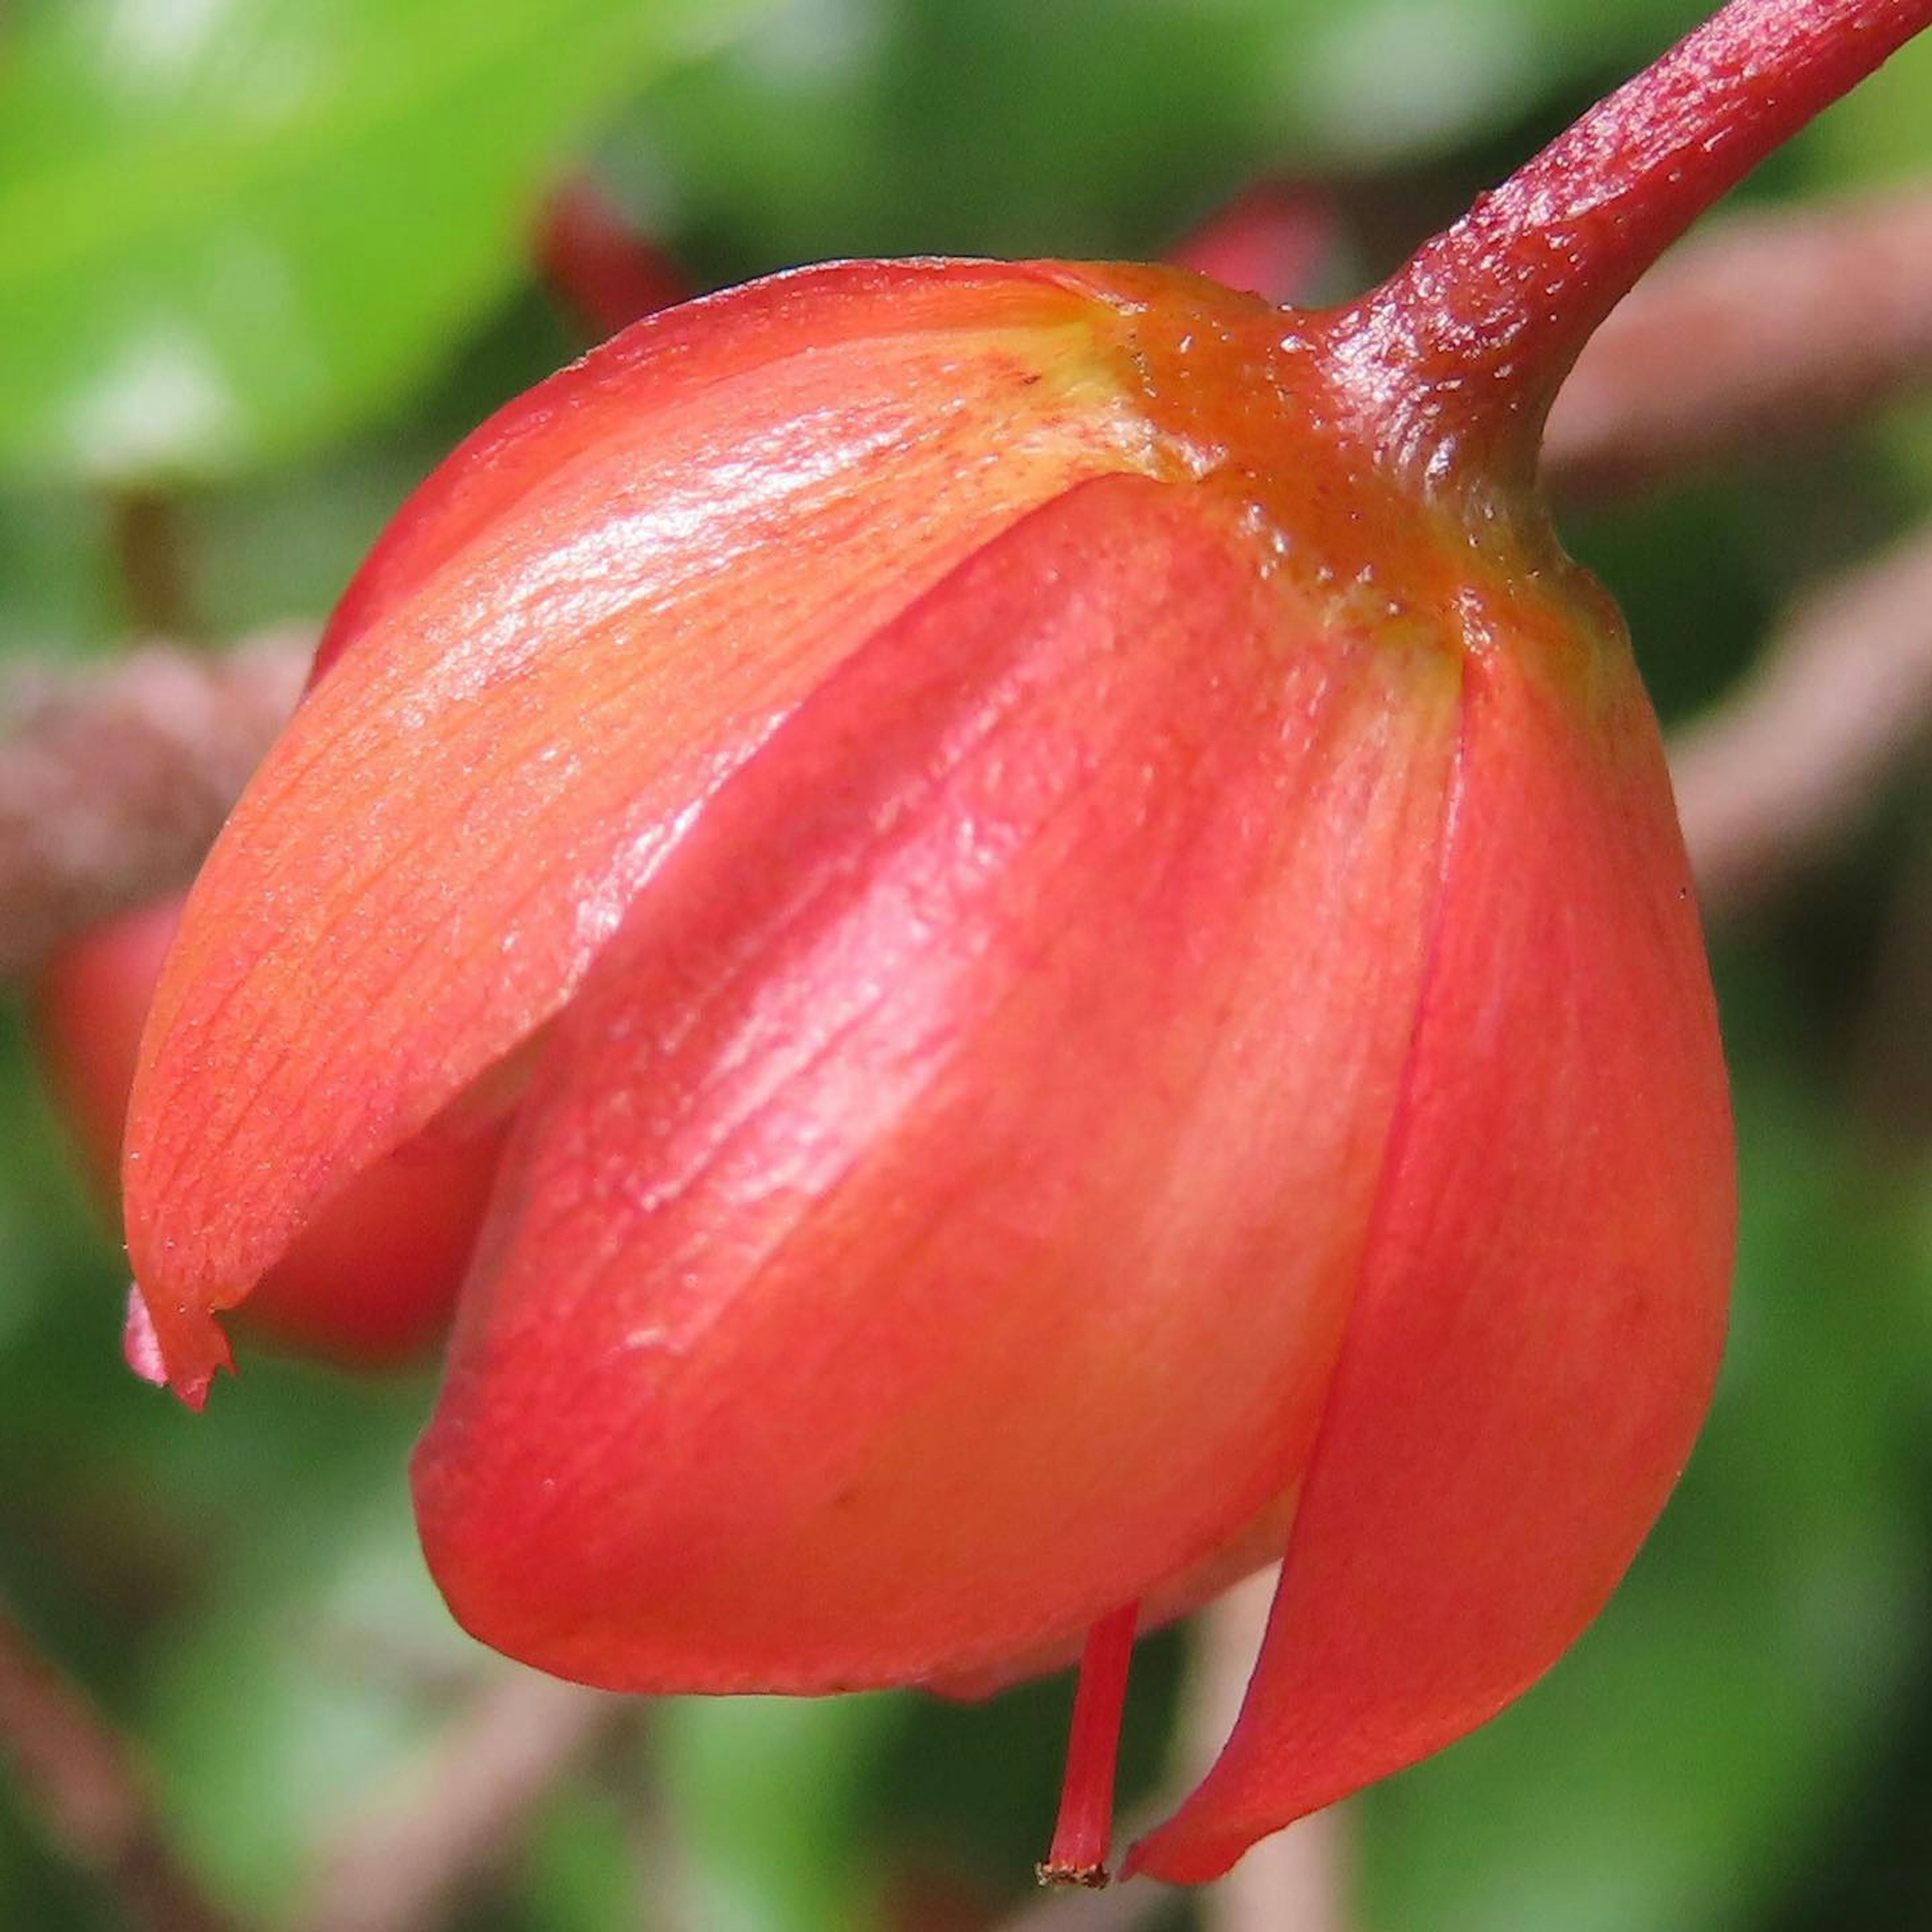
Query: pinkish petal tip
column 143, row 1351
column 140, row 1346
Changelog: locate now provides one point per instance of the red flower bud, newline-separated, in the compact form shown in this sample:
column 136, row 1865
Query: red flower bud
column 1105, row 968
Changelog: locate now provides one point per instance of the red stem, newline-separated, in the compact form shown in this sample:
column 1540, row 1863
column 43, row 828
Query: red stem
column 1456, row 358
column 1085, row 1828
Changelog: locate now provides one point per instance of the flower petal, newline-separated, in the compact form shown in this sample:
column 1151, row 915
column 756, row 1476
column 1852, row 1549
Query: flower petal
column 456, row 819
column 936, row 1216
column 1252, row 1545
column 1541, row 1314
column 660, row 363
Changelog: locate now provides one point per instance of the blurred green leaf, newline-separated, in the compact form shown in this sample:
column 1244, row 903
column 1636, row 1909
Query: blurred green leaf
column 1391, row 78
column 320, row 1661
column 266, row 548
column 244, row 1588
column 581, row 1872
column 57, row 591
column 765, row 1795
column 1674, row 1772
column 230, row 229
column 995, row 126
column 1087, row 127
column 48, row 1236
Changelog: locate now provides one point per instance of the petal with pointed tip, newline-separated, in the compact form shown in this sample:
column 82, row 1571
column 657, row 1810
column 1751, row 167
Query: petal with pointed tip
column 373, row 1280
column 937, row 1212
column 457, row 818
column 1542, row 1308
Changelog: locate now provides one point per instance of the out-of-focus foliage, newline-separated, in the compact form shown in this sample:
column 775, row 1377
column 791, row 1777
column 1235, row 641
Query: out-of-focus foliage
column 276, row 245
column 1680, row 1769
column 1093, row 126
column 231, row 229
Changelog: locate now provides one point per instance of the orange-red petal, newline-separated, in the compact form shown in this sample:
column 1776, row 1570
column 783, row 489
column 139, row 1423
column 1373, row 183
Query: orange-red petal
column 660, row 364
column 937, row 1213
column 579, row 633
column 1542, row 1306
column 372, row 1280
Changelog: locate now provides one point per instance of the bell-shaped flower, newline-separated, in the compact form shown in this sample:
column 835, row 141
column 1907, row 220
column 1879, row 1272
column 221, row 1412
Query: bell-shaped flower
column 1085, row 919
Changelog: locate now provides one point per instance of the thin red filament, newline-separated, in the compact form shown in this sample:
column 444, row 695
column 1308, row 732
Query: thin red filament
column 1085, row 1831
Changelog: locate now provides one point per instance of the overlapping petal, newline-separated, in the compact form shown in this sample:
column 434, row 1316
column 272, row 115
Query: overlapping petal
column 371, row 1281
column 936, row 1215
column 576, row 634
column 1542, row 1303
column 668, row 359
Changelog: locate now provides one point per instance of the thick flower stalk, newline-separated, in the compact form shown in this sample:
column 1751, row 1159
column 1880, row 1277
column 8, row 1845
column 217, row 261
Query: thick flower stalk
column 1083, row 918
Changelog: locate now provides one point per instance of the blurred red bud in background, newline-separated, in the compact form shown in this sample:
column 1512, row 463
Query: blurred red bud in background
column 371, row 1281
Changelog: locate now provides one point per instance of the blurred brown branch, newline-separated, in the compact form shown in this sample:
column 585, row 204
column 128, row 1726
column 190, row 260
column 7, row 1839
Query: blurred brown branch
column 1792, row 758
column 77, row 1777
column 1764, row 330
column 114, row 778
column 1296, row 1881
column 410, row 1858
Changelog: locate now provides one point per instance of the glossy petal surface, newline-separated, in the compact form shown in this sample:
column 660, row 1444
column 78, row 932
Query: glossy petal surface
column 663, row 364
column 438, row 845
column 1542, row 1304
column 937, row 1212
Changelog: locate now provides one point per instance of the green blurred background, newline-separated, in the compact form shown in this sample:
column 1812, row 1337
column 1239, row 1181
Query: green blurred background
column 263, row 261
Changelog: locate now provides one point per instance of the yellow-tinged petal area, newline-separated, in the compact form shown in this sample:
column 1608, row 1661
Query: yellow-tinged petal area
column 1543, row 1302
column 937, row 1214
column 537, row 699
